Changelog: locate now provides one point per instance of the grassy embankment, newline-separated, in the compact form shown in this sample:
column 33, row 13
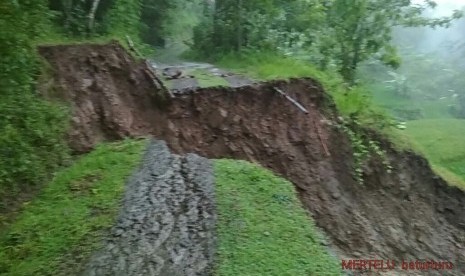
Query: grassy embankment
column 65, row 223
column 263, row 229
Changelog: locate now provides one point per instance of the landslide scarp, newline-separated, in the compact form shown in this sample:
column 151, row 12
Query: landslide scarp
column 410, row 214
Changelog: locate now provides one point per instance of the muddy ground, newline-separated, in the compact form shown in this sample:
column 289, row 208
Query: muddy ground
column 410, row 214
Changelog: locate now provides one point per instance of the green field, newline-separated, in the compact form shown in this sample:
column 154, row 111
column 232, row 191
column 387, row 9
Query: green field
column 400, row 106
column 435, row 133
column 442, row 142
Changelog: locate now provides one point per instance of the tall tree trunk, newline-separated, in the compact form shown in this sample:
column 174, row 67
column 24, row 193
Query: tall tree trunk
column 93, row 10
column 347, row 72
column 217, row 30
column 67, row 7
column 239, row 25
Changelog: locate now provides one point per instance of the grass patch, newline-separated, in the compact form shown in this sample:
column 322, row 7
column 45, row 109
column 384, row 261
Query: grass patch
column 441, row 141
column 263, row 229
column 269, row 66
column 58, row 38
column 203, row 77
column 59, row 229
column 206, row 79
column 404, row 106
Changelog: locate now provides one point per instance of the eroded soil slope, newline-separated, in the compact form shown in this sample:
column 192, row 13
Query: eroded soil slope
column 92, row 78
column 409, row 214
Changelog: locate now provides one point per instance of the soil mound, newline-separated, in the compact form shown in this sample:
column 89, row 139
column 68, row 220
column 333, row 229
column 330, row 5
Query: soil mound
column 410, row 214
column 108, row 91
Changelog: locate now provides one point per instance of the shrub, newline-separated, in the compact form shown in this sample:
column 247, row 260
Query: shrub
column 31, row 129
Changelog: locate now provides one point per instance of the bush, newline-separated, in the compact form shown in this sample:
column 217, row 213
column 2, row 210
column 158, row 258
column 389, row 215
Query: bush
column 31, row 140
column 31, row 130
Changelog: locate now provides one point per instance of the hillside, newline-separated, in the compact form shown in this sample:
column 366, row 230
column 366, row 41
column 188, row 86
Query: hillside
column 408, row 214
column 231, row 137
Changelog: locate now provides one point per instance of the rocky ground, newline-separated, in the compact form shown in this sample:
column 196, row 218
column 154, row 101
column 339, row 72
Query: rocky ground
column 409, row 214
column 187, row 81
column 167, row 222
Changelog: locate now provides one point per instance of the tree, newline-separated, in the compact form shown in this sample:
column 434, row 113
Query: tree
column 234, row 25
column 461, row 106
column 153, row 16
column 31, row 129
column 123, row 18
column 80, row 17
column 92, row 12
column 361, row 29
column 178, row 20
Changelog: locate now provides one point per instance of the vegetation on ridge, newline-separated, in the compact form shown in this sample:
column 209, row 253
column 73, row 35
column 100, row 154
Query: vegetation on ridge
column 263, row 228
column 59, row 229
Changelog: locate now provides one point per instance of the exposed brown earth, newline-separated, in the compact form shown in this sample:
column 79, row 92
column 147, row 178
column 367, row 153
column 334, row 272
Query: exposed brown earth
column 410, row 214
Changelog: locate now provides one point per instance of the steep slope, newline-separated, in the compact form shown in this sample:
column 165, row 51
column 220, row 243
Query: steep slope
column 410, row 214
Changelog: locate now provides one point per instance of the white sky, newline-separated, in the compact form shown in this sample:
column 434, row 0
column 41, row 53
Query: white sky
column 434, row 38
column 444, row 7
column 442, row 2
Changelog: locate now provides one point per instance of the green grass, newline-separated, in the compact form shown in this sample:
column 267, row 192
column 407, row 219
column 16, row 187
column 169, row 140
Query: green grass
column 206, row 79
column 268, row 66
column 437, row 135
column 58, row 38
column 441, row 141
column 394, row 104
column 263, row 229
column 65, row 223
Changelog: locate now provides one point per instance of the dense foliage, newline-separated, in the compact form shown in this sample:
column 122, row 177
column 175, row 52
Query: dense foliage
column 31, row 129
column 152, row 21
column 429, row 82
column 425, row 86
column 234, row 25
column 57, row 232
column 338, row 33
